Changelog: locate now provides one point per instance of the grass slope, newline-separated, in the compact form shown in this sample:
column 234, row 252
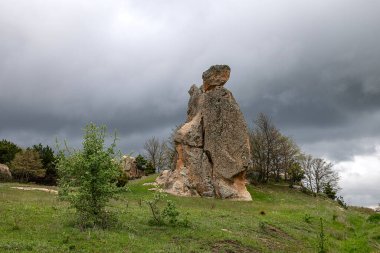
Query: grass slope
column 34, row 221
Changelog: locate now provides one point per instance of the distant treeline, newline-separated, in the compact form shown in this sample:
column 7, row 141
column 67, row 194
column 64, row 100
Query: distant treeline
column 33, row 164
column 274, row 157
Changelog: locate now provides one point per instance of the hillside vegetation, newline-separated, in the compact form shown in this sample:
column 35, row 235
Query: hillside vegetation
column 279, row 219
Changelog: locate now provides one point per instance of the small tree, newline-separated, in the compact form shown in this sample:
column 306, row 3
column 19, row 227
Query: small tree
column 144, row 165
column 169, row 151
column 155, row 152
column 329, row 191
column 296, row 174
column 8, row 151
column 88, row 177
column 27, row 166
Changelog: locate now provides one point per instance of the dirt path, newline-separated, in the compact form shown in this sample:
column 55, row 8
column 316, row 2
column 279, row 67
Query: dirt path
column 36, row 189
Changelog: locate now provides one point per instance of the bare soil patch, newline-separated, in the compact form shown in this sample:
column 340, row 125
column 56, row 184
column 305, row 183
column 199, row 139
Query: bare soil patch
column 36, row 189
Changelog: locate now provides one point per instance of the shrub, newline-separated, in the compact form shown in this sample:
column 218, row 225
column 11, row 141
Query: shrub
column 307, row 191
column 157, row 218
column 341, row 202
column 122, row 180
column 88, row 177
column 169, row 215
column 307, row 218
column 374, row 218
column 329, row 191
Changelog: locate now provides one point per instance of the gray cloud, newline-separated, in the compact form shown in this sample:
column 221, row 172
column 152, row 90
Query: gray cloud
column 313, row 66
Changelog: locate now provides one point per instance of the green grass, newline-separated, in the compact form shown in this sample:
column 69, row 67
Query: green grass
column 33, row 221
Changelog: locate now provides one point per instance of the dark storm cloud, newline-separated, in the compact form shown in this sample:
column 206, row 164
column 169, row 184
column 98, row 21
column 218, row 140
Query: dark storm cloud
column 312, row 65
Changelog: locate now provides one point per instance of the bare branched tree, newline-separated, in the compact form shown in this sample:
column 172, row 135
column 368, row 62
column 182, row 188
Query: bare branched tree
column 318, row 174
column 153, row 151
column 160, row 153
column 273, row 154
column 306, row 162
column 170, row 152
column 263, row 143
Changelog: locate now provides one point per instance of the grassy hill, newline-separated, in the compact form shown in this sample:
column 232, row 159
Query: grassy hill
column 278, row 219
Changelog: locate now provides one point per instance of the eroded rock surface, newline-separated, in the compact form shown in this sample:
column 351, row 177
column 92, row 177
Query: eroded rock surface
column 212, row 145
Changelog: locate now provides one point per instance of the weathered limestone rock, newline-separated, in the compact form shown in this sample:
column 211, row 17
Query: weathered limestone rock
column 130, row 167
column 216, row 75
column 212, row 145
column 5, row 173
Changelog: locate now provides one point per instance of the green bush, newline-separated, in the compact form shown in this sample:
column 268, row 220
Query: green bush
column 122, row 180
column 374, row 218
column 157, row 218
column 307, row 218
column 167, row 216
column 329, row 191
column 88, row 177
column 171, row 213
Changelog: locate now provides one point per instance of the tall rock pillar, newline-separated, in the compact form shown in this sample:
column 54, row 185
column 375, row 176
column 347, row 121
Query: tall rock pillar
column 212, row 146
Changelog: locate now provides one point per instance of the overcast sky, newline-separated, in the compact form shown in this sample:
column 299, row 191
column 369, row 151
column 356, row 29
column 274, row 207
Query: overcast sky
column 313, row 66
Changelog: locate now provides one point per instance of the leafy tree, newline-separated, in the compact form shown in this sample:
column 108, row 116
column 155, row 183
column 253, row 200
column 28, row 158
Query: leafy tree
column 8, row 150
column 27, row 166
column 149, row 169
column 48, row 161
column 88, row 177
column 141, row 162
column 296, row 173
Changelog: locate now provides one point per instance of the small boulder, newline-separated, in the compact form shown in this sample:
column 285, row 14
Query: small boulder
column 5, row 173
column 129, row 166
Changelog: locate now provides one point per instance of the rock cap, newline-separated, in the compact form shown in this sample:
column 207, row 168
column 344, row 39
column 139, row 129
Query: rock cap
column 216, row 75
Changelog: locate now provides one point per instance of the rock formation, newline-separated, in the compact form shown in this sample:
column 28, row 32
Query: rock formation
column 130, row 167
column 5, row 173
column 212, row 147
